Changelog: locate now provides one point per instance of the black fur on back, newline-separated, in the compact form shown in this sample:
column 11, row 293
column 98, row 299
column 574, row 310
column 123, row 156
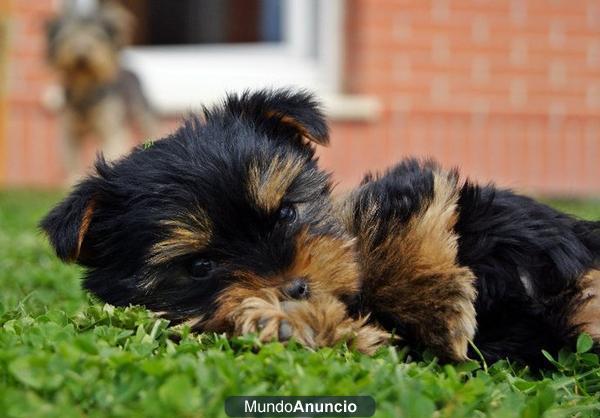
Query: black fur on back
column 527, row 258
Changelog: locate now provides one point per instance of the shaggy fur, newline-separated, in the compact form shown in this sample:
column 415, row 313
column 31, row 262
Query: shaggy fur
column 446, row 261
column 225, row 225
column 228, row 225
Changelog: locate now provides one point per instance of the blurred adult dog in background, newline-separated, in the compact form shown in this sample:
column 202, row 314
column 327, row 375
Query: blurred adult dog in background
column 98, row 97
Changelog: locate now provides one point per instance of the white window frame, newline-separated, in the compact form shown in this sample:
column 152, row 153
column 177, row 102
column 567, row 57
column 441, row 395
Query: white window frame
column 181, row 78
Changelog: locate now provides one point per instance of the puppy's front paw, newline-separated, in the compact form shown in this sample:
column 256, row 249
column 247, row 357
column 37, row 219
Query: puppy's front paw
column 452, row 322
column 320, row 322
column 461, row 325
column 269, row 318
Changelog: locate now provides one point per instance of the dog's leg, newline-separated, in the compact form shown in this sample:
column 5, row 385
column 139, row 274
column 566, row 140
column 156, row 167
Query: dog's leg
column 144, row 116
column 146, row 121
column 586, row 314
column 404, row 224
column 586, row 318
column 110, row 124
column 71, row 146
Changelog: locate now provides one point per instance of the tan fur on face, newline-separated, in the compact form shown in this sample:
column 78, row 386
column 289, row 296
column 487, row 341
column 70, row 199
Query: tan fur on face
column 76, row 37
column 101, row 56
column 186, row 235
column 327, row 263
column 413, row 274
column 587, row 316
column 267, row 184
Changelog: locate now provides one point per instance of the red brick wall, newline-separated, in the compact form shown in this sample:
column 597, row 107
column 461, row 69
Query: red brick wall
column 30, row 151
column 506, row 89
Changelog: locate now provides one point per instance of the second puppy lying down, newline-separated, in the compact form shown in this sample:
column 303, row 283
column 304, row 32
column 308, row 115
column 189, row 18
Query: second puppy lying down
column 229, row 225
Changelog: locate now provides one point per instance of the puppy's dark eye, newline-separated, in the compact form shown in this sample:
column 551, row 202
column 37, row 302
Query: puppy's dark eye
column 287, row 214
column 201, row 268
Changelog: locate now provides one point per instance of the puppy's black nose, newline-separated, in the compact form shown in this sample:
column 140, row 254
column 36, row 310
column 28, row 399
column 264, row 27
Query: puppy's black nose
column 297, row 289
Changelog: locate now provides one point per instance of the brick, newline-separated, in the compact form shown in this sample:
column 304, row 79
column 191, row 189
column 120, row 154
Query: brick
column 507, row 90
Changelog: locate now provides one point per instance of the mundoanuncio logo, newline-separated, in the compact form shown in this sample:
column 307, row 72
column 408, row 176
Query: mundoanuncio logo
column 300, row 406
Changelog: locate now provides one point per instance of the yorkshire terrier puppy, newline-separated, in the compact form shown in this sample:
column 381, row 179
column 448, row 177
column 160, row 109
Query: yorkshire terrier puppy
column 98, row 97
column 228, row 225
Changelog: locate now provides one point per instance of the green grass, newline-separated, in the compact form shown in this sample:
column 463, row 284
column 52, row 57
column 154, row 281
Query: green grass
column 63, row 354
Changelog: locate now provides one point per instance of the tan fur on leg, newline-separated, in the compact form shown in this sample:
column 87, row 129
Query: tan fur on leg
column 110, row 124
column 413, row 274
column 587, row 317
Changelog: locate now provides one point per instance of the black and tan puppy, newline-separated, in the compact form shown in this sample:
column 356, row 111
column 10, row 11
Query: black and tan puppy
column 225, row 225
column 229, row 225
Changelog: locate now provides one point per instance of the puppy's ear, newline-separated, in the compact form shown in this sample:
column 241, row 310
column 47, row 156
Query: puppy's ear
column 67, row 225
column 282, row 112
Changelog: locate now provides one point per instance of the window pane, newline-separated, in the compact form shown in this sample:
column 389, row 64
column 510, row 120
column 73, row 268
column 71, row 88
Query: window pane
column 184, row 22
